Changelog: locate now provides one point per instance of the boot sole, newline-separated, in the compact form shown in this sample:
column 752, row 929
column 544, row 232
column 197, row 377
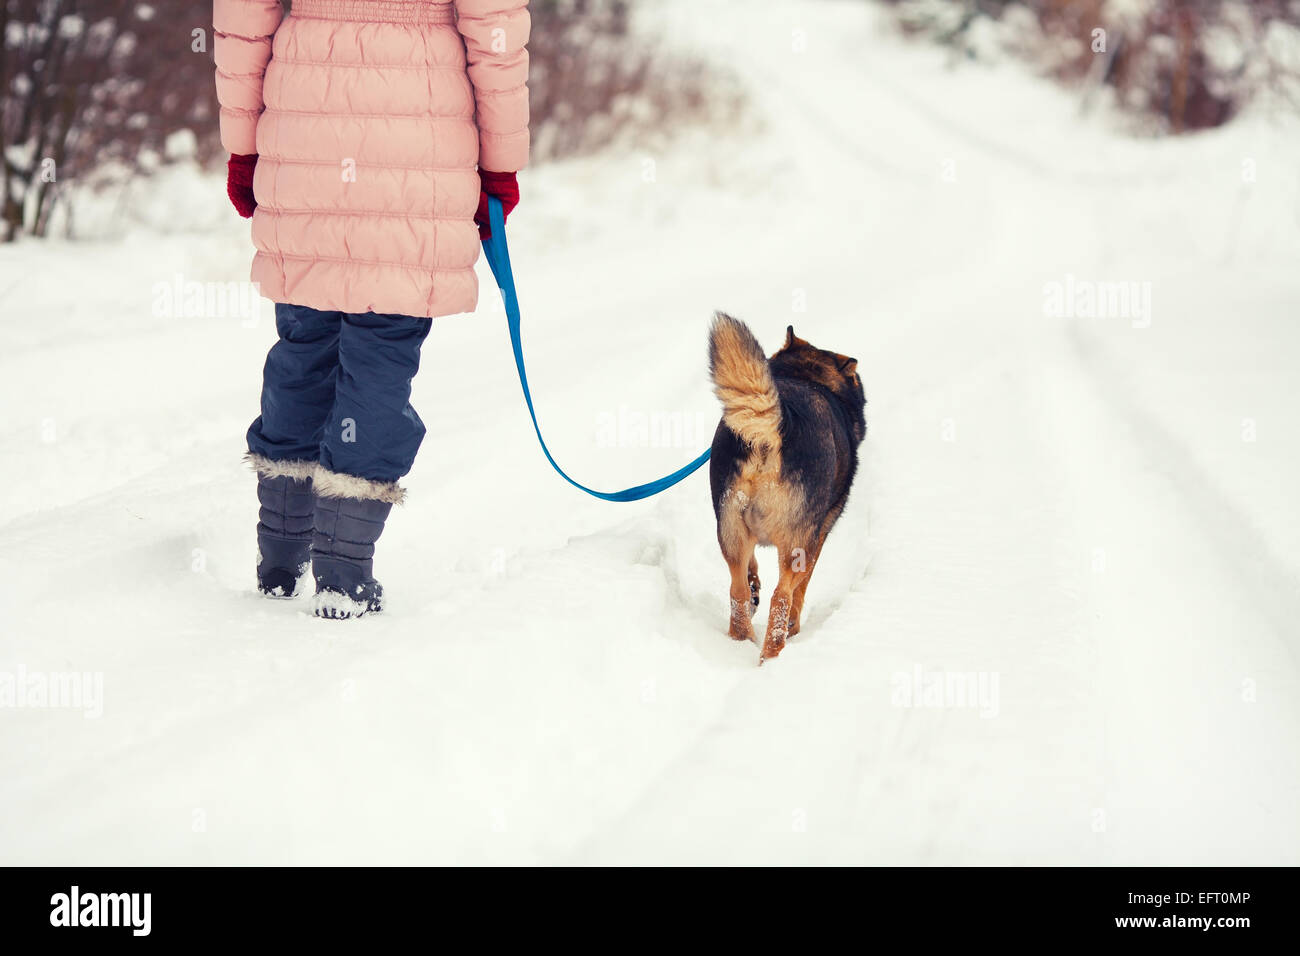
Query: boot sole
column 334, row 614
column 332, row 605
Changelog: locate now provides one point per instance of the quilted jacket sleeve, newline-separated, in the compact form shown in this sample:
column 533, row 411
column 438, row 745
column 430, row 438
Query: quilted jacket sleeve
column 496, row 38
column 242, row 48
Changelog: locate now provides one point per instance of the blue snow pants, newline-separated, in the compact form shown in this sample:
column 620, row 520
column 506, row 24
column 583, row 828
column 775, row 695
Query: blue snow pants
column 337, row 390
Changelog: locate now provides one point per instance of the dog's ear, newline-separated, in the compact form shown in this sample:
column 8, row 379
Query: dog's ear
column 848, row 365
column 791, row 340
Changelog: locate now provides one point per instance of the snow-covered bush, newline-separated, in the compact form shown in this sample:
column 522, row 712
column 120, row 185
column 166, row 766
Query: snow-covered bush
column 1175, row 65
column 93, row 87
column 595, row 78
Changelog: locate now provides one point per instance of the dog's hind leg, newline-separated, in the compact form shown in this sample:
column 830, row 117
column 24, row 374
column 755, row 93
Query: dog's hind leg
column 744, row 581
column 800, row 589
column 810, row 560
column 794, row 575
column 737, row 542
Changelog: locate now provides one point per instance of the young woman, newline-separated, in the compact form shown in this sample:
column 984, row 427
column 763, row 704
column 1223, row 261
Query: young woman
column 365, row 137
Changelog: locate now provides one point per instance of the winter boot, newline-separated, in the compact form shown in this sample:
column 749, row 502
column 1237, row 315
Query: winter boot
column 342, row 556
column 284, row 529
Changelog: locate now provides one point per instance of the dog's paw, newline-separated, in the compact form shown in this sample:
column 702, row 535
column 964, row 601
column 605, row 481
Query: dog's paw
column 741, row 633
column 771, row 648
column 739, row 628
column 778, row 629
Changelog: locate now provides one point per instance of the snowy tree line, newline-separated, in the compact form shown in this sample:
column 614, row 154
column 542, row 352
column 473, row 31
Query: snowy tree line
column 1176, row 66
column 97, row 92
column 92, row 84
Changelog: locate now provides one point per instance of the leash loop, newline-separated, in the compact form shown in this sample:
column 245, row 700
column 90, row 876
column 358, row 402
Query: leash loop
column 498, row 257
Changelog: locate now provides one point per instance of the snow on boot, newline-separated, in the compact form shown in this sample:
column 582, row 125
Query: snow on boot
column 342, row 556
column 284, row 527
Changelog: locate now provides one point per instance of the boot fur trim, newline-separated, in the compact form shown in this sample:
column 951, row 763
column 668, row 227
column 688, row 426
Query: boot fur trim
column 333, row 484
column 289, row 468
column 326, row 483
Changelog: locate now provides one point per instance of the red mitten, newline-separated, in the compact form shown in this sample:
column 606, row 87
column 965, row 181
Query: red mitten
column 503, row 186
column 239, row 183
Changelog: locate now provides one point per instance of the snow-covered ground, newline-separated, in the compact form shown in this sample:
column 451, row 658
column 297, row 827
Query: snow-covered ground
column 1089, row 522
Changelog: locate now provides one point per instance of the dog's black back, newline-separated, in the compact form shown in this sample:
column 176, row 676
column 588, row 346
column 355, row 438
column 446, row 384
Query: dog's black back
column 820, row 434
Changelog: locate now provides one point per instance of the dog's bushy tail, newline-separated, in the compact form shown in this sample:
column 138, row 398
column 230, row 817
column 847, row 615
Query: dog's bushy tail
column 743, row 383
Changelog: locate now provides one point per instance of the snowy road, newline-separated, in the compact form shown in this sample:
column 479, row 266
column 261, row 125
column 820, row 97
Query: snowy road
column 1092, row 519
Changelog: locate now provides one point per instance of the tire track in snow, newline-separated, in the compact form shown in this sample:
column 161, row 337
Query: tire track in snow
column 1172, row 634
column 1247, row 558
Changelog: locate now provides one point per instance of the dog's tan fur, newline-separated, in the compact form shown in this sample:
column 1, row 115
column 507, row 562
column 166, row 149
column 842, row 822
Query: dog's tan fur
column 743, row 383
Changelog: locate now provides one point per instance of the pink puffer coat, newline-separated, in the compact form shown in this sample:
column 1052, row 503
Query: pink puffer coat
column 369, row 117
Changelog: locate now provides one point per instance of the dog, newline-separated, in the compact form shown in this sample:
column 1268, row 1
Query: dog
column 783, row 461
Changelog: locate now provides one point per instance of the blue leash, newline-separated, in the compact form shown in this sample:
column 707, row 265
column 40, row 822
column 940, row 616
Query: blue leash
column 498, row 257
